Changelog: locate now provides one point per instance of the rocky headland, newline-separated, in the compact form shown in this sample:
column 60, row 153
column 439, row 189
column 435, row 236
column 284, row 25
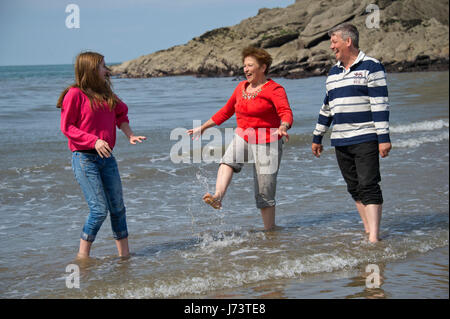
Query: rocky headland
column 406, row 35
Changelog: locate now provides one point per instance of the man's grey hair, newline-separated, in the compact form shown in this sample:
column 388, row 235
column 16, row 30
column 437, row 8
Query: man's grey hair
column 347, row 31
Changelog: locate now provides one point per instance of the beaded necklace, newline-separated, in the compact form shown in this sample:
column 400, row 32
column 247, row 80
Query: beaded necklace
column 249, row 96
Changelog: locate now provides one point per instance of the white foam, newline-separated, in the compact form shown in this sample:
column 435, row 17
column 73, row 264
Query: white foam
column 159, row 159
column 420, row 126
column 415, row 142
column 210, row 243
column 240, row 251
column 282, row 268
column 230, row 279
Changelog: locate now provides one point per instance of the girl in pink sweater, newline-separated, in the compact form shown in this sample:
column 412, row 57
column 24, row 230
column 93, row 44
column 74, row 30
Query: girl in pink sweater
column 90, row 112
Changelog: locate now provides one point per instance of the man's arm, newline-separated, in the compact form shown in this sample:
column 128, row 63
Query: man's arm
column 323, row 123
column 379, row 104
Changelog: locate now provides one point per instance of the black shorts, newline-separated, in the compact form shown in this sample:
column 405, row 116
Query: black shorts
column 360, row 167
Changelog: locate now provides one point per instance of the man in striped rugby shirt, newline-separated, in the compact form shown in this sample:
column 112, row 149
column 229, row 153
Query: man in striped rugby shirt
column 356, row 103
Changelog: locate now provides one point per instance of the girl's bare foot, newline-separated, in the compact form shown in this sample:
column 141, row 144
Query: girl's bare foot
column 81, row 256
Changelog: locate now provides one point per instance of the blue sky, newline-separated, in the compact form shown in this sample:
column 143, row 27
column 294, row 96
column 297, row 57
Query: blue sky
column 34, row 32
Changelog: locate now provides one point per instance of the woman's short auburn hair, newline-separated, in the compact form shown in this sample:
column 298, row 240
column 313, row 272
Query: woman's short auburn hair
column 261, row 55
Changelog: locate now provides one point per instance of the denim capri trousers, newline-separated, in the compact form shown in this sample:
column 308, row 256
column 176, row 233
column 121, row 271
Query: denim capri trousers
column 100, row 182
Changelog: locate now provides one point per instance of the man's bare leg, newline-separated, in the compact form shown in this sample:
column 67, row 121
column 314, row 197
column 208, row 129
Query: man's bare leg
column 373, row 214
column 268, row 216
column 362, row 212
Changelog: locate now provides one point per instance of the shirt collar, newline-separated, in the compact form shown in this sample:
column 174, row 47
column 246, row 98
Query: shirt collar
column 360, row 56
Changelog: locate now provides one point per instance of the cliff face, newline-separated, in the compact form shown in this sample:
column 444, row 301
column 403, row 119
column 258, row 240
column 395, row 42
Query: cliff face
column 411, row 35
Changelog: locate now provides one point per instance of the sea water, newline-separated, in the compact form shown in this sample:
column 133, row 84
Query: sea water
column 182, row 247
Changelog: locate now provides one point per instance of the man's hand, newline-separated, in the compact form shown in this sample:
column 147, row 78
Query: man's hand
column 317, row 149
column 384, row 149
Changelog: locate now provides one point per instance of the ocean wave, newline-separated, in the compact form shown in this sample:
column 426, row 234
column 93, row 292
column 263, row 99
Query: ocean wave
column 198, row 284
column 420, row 126
column 208, row 243
column 415, row 142
column 423, row 126
column 219, row 276
column 300, row 139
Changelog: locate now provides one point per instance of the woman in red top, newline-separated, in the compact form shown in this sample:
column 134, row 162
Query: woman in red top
column 263, row 117
column 90, row 112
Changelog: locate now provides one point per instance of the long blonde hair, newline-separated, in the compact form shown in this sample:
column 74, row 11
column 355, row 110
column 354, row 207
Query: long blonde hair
column 88, row 80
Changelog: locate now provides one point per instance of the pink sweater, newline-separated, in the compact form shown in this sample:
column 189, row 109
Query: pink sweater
column 83, row 127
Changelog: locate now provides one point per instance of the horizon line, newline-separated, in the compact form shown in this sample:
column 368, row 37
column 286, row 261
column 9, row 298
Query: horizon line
column 55, row 64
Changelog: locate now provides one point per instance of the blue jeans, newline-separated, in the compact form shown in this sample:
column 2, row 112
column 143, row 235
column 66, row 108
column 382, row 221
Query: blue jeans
column 102, row 188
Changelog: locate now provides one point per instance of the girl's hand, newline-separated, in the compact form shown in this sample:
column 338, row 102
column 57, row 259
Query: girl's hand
column 126, row 129
column 102, row 148
column 133, row 139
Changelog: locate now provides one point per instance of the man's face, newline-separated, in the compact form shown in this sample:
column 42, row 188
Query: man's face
column 340, row 47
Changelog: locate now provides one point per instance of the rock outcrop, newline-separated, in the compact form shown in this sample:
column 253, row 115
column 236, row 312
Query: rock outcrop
column 406, row 35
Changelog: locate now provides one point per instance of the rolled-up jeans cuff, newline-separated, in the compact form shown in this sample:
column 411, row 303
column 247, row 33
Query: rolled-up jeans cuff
column 86, row 237
column 260, row 203
column 120, row 235
column 373, row 201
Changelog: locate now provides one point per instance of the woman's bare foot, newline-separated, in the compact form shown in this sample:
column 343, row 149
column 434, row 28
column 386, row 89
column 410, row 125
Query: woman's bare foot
column 213, row 201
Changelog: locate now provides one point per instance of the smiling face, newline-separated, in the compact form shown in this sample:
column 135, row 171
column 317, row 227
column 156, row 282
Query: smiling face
column 253, row 71
column 340, row 47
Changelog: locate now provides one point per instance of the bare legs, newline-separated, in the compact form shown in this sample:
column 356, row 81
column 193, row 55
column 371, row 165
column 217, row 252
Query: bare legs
column 121, row 244
column 268, row 216
column 122, row 247
column 362, row 212
column 224, row 175
column 85, row 249
column 371, row 217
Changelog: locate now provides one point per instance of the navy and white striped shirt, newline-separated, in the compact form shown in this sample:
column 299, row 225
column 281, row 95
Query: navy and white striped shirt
column 356, row 103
